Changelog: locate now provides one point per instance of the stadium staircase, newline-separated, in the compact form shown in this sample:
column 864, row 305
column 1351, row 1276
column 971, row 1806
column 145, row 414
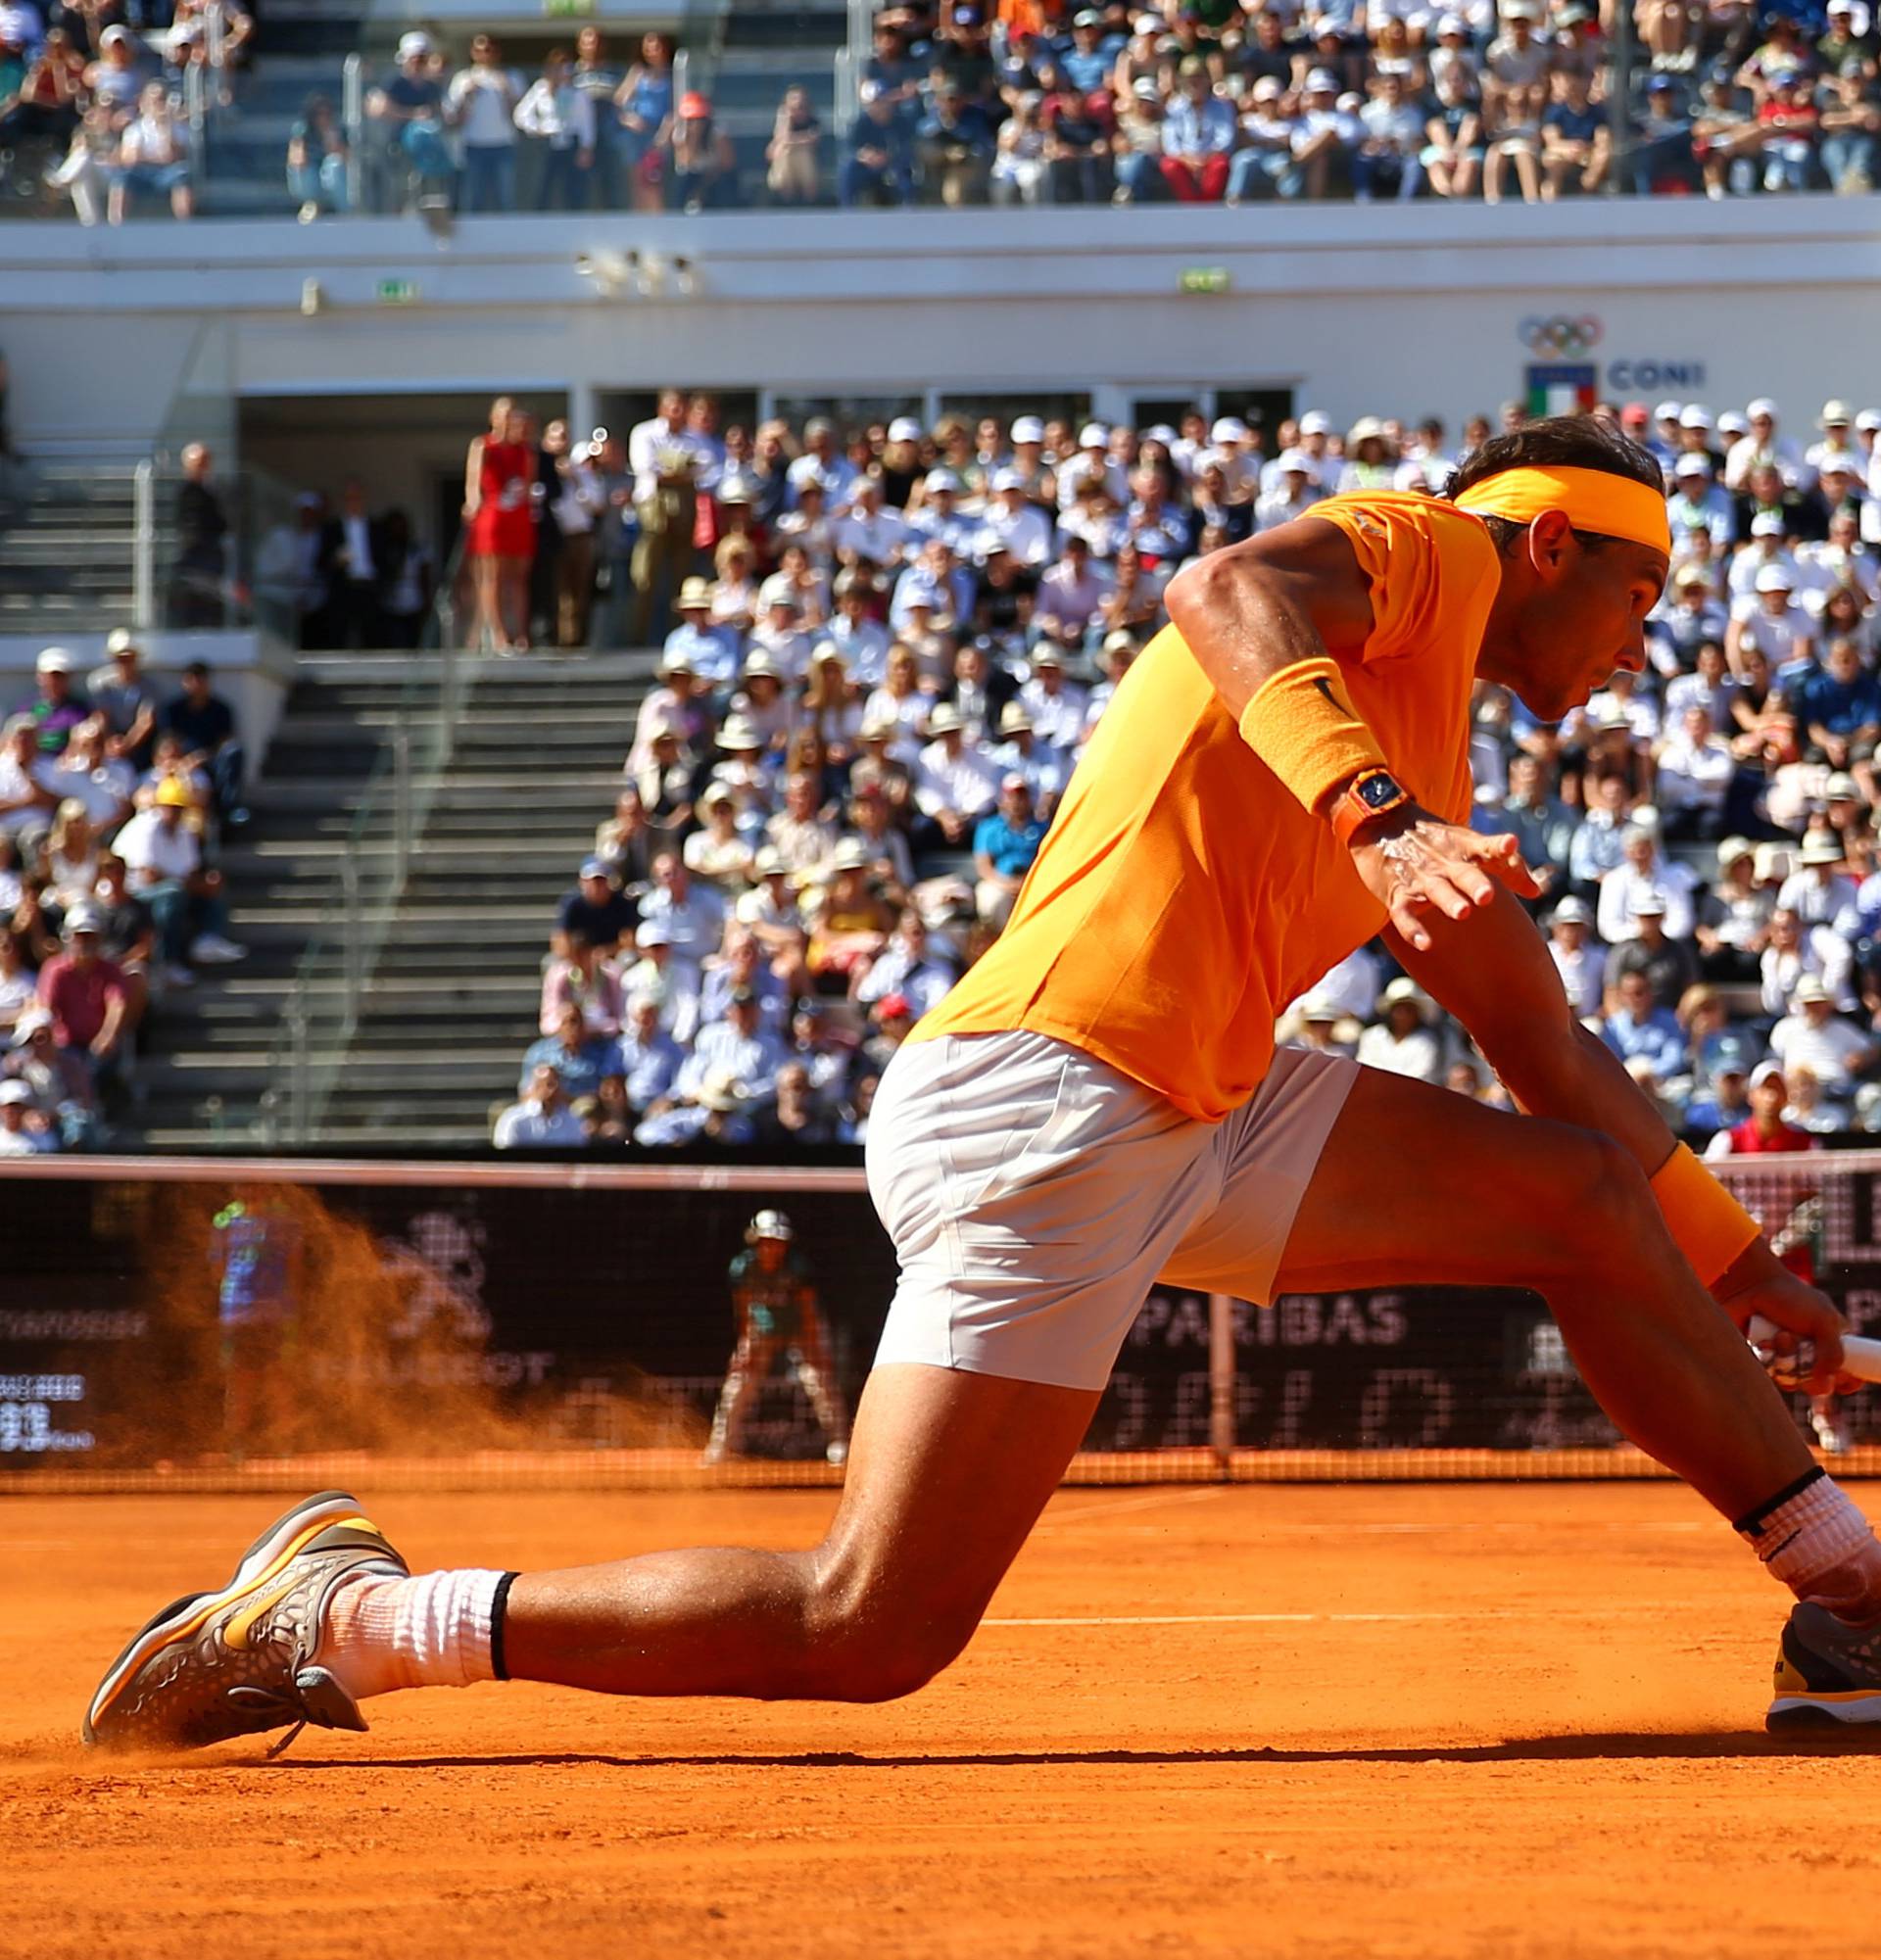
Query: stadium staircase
column 452, row 1001
column 304, row 46
column 66, row 540
column 757, row 49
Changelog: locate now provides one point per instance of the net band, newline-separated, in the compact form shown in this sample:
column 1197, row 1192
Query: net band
column 1707, row 1224
column 1591, row 499
column 1299, row 724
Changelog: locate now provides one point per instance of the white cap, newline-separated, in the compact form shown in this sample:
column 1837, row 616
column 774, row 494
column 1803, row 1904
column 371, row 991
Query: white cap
column 1669, row 411
column 1094, row 436
column 416, row 44
column 1762, row 406
column 1028, row 429
column 57, row 661
column 1731, row 423
column 1008, row 479
column 1314, row 422
column 776, row 590
column 1868, row 421
column 1695, row 416
column 938, row 480
column 1810, row 988
column 1774, row 578
column 1291, row 460
column 944, row 719
column 1321, row 81
column 1839, row 462
column 905, row 429
column 1834, row 411
column 1691, row 464
column 1767, row 524
column 1229, row 429
column 15, row 1091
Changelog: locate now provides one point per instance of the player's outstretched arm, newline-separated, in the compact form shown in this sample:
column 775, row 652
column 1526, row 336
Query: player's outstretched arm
column 1259, row 618
column 1492, row 972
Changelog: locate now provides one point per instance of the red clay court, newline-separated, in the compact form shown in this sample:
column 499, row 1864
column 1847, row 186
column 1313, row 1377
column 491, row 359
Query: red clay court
column 1442, row 1720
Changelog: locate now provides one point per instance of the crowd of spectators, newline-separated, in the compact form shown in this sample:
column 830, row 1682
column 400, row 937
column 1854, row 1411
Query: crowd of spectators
column 865, row 716
column 94, row 96
column 113, row 794
column 1018, row 102
column 1207, row 101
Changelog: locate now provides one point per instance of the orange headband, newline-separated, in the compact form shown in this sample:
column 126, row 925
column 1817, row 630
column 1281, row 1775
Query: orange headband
column 1612, row 506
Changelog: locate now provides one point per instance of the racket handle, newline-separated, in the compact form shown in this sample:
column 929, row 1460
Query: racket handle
column 1860, row 1355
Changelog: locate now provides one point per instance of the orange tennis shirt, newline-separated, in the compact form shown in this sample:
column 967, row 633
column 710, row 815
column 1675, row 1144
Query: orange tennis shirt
column 1182, row 896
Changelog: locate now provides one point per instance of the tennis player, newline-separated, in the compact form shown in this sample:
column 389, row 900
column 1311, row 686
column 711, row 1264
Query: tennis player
column 1099, row 1105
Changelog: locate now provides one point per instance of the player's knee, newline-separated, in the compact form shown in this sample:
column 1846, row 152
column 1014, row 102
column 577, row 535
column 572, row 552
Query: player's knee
column 869, row 1647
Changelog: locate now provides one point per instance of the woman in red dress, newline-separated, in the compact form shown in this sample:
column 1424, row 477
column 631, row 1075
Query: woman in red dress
column 503, row 531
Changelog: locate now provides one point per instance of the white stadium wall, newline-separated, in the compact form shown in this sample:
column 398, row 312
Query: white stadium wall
column 1430, row 310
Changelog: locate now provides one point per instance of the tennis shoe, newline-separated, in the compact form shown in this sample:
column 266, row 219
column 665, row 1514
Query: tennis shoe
column 245, row 1659
column 1828, row 1674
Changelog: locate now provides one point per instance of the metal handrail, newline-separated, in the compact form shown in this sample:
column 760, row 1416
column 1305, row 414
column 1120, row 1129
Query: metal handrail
column 353, row 119
column 143, row 547
column 400, row 789
column 848, row 90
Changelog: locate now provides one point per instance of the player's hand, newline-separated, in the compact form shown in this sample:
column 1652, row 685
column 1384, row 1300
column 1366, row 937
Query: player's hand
column 1421, row 868
column 1807, row 1351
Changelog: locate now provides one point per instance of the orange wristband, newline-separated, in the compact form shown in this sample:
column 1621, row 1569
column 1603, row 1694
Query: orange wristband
column 1299, row 724
column 1707, row 1224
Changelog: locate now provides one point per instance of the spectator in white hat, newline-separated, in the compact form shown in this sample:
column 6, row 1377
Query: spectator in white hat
column 1055, row 704
column 1264, row 160
column 1402, row 1041
column 1763, row 445
column 1818, row 891
column 1014, row 523
column 710, row 651
column 1811, row 1036
column 58, row 705
column 865, row 530
column 1295, row 489
column 1837, row 423
column 1697, row 502
column 25, row 1131
column 121, row 692
column 678, row 706
column 1326, row 138
column 1784, row 632
column 1766, row 543
column 1043, row 768
column 1580, row 958
column 955, row 782
column 409, row 110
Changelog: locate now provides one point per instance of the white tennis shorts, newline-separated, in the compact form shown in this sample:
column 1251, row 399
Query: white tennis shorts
column 1034, row 1195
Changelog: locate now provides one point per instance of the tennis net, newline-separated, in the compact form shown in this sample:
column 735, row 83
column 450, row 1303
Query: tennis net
column 205, row 1324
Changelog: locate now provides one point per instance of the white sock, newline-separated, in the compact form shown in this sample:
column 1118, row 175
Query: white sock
column 434, row 1631
column 1816, row 1542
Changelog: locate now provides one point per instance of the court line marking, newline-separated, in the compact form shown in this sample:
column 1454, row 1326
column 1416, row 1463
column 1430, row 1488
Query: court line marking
column 1116, row 1506
column 1307, row 1619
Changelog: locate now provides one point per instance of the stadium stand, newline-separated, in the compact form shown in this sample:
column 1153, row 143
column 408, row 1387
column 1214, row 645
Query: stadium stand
column 205, row 109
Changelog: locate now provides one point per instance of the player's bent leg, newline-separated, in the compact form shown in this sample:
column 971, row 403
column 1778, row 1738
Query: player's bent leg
column 1417, row 1185
column 947, row 1473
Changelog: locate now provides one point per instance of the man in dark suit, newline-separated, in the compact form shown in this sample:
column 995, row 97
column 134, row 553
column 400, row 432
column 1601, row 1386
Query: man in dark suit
column 352, row 562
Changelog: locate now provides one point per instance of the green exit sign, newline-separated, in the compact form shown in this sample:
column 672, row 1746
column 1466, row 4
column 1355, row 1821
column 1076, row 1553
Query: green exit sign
column 563, row 10
column 1203, row 280
column 398, row 291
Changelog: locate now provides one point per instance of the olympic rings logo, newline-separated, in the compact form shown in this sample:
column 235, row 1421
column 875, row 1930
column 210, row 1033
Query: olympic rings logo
column 1561, row 336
